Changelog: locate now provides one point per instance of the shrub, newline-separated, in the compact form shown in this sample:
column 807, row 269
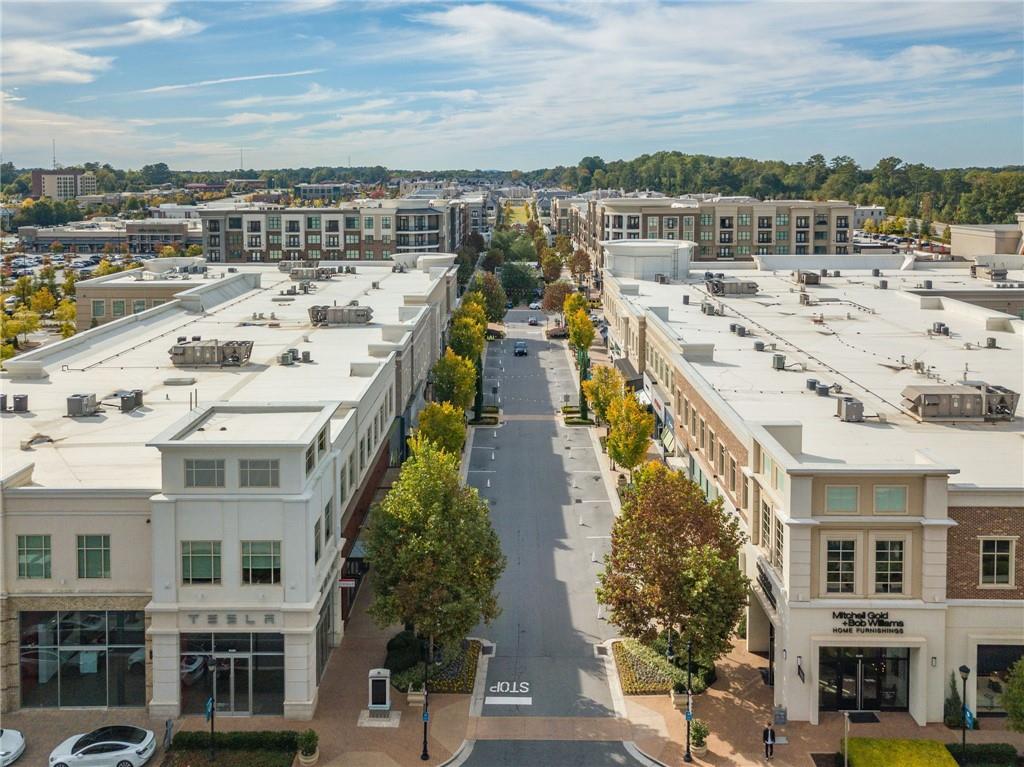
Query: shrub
column 699, row 732
column 575, row 420
column 880, row 752
column 403, row 652
column 644, row 671
column 953, row 707
column 455, row 673
column 257, row 740
column 984, row 754
column 308, row 742
column 1013, row 697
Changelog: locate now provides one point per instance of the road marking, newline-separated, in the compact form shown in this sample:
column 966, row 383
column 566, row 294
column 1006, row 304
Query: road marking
column 496, row 700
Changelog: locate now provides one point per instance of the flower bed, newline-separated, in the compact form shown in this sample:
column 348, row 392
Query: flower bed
column 642, row 671
column 887, row 752
column 454, row 674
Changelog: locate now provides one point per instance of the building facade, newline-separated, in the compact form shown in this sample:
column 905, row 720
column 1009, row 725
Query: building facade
column 196, row 532
column 62, row 184
column 882, row 511
column 864, row 213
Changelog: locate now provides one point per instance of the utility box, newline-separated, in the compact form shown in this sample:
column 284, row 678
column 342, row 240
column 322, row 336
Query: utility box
column 779, row 716
column 379, row 680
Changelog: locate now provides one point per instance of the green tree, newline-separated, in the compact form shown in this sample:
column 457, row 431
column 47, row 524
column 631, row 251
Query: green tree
column 523, row 249
column 870, row 226
column 104, row 268
column 56, row 247
column 629, row 431
column 947, row 235
column 436, row 559
column 466, row 338
column 604, row 386
column 674, row 565
column 1013, row 697
column 953, row 705
column 493, row 294
column 474, row 307
column 550, row 265
column 65, row 314
column 563, row 246
column 168, row 251
column 454, row 380
column 23, row 288
column 28, row 321
column 67, row 288
column 573, row 303
column 519, row 281
column 194, row 251
column 43, row 301
column 444, row 424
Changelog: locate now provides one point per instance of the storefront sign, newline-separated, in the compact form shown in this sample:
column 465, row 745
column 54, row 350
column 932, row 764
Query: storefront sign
column 231, row 619
column 765, row 582
column 864, row 622
column 654, row 392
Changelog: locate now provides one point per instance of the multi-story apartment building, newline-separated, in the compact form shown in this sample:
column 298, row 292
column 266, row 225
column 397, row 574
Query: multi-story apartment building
column 62, row 184
column 363, row 230
column 864, row 213
column 183, row 489
column 863, row 427
column 724, row 228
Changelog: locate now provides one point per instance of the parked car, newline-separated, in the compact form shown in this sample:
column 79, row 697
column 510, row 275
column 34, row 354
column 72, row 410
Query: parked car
column 12, row 745
column 114, row 746
column 11, row 303
column 519, row 349
column 509, row 305
column 557, row 331
column 533, row 321
column 535, row 306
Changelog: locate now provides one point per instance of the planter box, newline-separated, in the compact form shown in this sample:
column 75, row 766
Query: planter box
column 309, row 761
column 678, row 699
column 415, row 698
column 698, row 750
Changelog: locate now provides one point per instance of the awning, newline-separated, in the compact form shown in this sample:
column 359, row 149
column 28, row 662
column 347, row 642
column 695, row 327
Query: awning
column 642, row 398
column 358, row 549
column 633, row 379
column 668, row 439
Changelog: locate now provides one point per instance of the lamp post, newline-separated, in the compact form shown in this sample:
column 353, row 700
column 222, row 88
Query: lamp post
column 428, row 651
column 688, row 757
column 965, row 672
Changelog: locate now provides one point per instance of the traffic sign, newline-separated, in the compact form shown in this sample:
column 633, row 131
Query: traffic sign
column 689, row 716
column 209, row 708
column 426, row 716
column 347, row 583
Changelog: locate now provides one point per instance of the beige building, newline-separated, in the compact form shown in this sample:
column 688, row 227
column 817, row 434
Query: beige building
column 62, row 184
column 969, row 240
column 863, row 427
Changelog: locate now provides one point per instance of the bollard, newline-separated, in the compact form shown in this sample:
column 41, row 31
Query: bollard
column 492, row 455
column 488, row 482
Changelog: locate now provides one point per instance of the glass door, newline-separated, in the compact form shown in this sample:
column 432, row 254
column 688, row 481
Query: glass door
column 231, row 684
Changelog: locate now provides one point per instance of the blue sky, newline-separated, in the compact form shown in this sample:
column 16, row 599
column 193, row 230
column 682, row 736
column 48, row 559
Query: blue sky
column 430, row 85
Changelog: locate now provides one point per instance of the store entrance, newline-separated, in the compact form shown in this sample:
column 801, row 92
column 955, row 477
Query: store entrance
column 864, row 679
column 231, row 684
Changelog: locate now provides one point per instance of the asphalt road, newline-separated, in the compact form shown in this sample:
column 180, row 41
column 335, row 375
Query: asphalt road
column 550, row 509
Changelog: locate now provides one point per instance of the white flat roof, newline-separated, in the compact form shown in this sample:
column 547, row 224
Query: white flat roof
column 866, row 340
column 110, row 450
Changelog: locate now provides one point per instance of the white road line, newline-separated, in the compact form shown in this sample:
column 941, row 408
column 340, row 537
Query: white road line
column 495, row 700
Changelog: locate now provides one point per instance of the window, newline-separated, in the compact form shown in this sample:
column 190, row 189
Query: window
column 292, row 241
column 99, row 307
column 706, row 219
column 351, row 239
column 310, row 458
column 312, row 239
column 842, row 222
column 261, row 562
column 841, row 499
column 204, row 472
column 117, row 307
column 342, row 486
column 706, row 235
column 840, row 566
column 33, row 556
column 329, row 520
column 725, row 237
column 782, row 219
column 670, row 221
column 353, row 476
column 255, row 241
column 743, row 219
column 352, row 254
column 632, row 222
column 725, row 222
column 200, row 562
column 333, row 240
column 93, row 556
column 138, row 305
column 321, row 441
column 351, row 222
column 385, row 222
column 235, row 222
column 803, row 222
column 312, row 222
column 889, row 566
column 274, row 239
column 332, row 225
column 316, row 542
column 291, row 226
column 780, row 538
column 997, row 561
column 766, row 526
column 274, row 222
column 764, row 222
column 213, row 226
column 890, row 499
column 259, row 472
column 744, row 236
column 253, row 226
column 781, row 235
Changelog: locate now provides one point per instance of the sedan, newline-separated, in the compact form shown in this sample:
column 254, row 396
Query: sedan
column 519, row 349
column 533, row 321
column 535, row 306
column 116, row 746
column 12, row 745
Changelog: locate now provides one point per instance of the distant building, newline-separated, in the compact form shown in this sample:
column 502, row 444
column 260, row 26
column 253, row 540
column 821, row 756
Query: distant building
column 864, row 213
column 62, row 184
column 987, row 239
column 326, row 190
column 146, row 236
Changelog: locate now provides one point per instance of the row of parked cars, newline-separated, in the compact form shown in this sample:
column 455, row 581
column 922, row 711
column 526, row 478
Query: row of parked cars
column 111, row 746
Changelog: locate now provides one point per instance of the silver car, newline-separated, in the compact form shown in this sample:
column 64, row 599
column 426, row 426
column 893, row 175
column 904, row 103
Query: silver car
column 12, row 745
column 115, row 746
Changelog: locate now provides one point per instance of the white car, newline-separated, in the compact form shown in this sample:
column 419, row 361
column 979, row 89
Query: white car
column 535, row 306
column 12, row 744
column 115, row 746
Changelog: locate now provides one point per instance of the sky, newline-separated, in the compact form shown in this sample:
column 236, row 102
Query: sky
column 432, row 85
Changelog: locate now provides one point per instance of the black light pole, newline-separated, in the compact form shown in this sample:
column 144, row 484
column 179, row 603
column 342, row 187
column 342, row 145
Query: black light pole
column 425, row 755
column 965, row 672
column 688, row 757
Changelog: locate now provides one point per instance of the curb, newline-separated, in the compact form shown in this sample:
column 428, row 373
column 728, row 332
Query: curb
column 463, row 752
column 612, row 671
column 634, row 751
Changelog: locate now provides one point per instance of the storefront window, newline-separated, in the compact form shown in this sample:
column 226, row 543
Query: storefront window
column 82, row 658
column 994, row 663
column 243, row 672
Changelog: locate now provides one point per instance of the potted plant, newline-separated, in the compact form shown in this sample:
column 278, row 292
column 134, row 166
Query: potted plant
column 309, row 748
column 678, row 695
column 699, row 732
column 415, row 696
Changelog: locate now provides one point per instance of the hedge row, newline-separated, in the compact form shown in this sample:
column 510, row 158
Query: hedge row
column 257, row 740
column 889, row 752
column 984, row 754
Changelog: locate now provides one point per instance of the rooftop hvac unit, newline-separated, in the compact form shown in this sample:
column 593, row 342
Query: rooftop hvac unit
column 211, row 353
column 302, row 273
column 805, row 299
column 969, row 401
column 20, row 403
column 127, row 402
column 81, row 405
column 285, row 358
column 353, row 314
column 778, row 361
column 719, row 287
column 850, row 409
column 375, row 285
column 802, row 277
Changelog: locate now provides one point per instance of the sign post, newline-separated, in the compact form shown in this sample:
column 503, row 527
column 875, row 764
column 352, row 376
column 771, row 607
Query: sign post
column 210, row 717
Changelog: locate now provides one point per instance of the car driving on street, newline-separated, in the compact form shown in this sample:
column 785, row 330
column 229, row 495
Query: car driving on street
column 519, row 349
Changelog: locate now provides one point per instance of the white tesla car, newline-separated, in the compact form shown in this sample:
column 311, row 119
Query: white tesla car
column 116, row 746
column 12, row 745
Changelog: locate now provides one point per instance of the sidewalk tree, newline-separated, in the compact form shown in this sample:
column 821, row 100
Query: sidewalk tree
column 579, row 264
column 23, row 288
column 466, row 338
column 454, row 380
column 604, row 386
column 444, row 424
column 581, row 330
column 519, row 281
column 563, row 246
column 67, row 288
column 474, row 307
column 629, row 431
column 43, row 301
column 493, row 294
column 65, row 314
column 674, row 565
column 435, row 557
column 574, row 302
column 555, row 295
column 28, row 321
column 550, row 265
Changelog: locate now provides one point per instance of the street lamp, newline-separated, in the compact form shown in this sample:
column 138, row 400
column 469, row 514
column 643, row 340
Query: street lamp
column 965, row 672
column 688, row 757
column 425, row 755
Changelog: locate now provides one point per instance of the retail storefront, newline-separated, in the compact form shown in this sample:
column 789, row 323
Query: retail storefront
column 993, row 664
column 82, row 658
column 243, row 672
column 863, row 679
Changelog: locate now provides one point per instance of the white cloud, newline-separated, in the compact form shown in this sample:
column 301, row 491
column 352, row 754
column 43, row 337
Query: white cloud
column 222, row 80
column 314, row 94
column 256, row 118
column 28, row 61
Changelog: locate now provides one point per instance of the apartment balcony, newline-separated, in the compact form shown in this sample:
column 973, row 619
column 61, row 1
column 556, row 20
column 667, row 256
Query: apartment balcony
column 424, row 229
